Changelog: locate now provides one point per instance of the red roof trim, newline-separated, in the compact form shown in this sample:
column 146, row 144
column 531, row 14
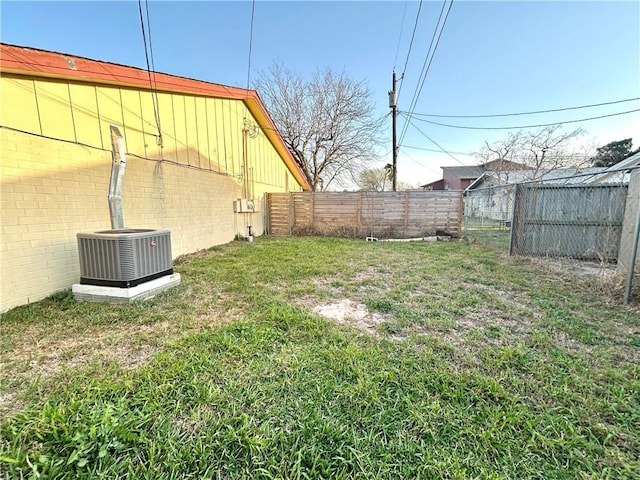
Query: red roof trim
column 25, row 60
column 71, row 66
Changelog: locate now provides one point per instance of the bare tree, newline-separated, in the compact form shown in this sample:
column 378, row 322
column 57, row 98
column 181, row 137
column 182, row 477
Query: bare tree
column 536, row 152
column 327, row 122
column 374, row 179
column 402, row 186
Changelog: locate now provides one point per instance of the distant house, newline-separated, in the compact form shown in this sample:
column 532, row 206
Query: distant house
column 492, row 193
column 616, row 173
column 459, row 178
column 193, row 149
column 570, row 175
column 437, row 185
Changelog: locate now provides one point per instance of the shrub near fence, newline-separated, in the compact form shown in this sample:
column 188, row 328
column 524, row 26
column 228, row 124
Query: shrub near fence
column 407, row 214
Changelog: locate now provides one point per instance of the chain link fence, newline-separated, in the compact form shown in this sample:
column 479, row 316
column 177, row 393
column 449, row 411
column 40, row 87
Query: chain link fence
column 568, row 221
column 580, row 221
column 487, row 216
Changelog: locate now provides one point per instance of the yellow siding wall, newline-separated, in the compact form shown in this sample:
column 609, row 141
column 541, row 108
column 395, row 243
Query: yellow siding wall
column 54, row 187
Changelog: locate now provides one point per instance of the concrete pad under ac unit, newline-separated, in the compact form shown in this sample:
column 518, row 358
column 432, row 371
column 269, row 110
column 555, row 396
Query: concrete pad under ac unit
column 144, row 291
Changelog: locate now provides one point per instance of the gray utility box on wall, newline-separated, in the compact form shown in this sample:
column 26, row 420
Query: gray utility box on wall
column 124, row 258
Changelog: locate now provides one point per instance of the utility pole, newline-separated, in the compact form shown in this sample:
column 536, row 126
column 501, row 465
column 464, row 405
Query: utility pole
column 393, row 104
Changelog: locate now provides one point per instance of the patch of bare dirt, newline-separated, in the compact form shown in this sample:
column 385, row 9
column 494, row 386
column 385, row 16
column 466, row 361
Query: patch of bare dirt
column 350, row 313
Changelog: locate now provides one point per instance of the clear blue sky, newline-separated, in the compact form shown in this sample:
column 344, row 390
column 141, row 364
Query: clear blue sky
column 493, row 57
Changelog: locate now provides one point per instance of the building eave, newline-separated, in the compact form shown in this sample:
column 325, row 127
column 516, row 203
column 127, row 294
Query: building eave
column 477, row 181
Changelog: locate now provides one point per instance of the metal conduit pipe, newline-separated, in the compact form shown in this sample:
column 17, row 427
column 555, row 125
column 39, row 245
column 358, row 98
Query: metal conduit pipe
column 118, row 165
column 632, row 263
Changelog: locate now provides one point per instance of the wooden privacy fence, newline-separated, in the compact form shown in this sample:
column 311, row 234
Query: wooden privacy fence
column 405, row 214
column 583, row 222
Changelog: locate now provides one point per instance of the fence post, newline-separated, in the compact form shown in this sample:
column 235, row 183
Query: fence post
column 359, row 209
column 267, row 222
column 291, row 213
column 313, row 212
column 406, row 213
column 632, row 262
column 460, row 213
column 516, row 218
column 628, row 251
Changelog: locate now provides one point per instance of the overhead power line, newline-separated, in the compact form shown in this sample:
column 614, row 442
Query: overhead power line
column 404, row 12
column 572, row 155
column 153, row 68
column 420, row 164
column 435, row 48
column 432, row 140
column 527, row 113
column 413, row 34
column 153, row 65
column 253, row 7
column 468, row 127
column 152, row 85
column 427, row 63
column 434, row 150
column 423, row 68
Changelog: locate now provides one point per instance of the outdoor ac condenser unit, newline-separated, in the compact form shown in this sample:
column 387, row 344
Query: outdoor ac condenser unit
column 125, row 257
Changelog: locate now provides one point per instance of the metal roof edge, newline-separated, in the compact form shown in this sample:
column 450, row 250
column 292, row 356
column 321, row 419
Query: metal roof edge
column 477, row 180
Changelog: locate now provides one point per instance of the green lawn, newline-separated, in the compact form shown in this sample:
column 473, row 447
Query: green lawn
column 466, row 365
column 495, row 238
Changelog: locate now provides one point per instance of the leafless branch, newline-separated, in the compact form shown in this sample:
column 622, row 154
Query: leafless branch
column 537, row 152
column 327, row 122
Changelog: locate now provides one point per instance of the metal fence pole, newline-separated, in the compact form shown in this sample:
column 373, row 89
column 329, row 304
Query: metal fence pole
column 632, row 264
column 515, row 216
